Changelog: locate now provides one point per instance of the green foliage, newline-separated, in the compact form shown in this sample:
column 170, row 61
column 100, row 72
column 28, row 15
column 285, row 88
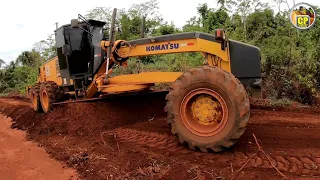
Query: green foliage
column 17, row 77
column 2, row 62
column 169, row 63
column 212, row 19
column 29, row 58
column 19, row 74
column 130, row 20
column 165, row 29
column 192, row 25
column 3, row 94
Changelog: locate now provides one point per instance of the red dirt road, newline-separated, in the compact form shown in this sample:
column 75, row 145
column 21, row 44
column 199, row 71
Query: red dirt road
column 21, row 159
column 127, row 138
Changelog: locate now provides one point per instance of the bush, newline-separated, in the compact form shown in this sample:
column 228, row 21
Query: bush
column 169, row 63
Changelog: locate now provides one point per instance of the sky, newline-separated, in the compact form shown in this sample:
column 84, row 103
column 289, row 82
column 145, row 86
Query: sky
column 25, row 22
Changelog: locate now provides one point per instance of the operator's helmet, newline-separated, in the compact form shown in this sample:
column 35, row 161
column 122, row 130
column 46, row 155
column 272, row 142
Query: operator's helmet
column 301, row 8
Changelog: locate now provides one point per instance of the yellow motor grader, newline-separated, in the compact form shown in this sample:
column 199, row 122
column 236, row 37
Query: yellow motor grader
column 207, row 107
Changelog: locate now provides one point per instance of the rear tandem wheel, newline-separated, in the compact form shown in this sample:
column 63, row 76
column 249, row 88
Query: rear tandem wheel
column 49, row 94
column 34, row 97
column 208, row 109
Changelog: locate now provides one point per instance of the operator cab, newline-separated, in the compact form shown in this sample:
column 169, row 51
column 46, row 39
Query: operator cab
column 79, row 50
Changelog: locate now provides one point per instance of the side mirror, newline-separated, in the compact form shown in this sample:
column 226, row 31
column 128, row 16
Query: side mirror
column 220, row 35
column 74, row 23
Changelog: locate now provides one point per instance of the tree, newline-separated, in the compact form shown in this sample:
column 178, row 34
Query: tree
column 133, row 18
column 165, row 29
column 261, row 25
column 216, row 19
column 193, row 24
column 2, row 62
column 130, row 20
column 46, row 48
column 29, row 58
column 100, row 14
column 149, row 8
column 203, row 11
column 245, row 7
column 227, row 5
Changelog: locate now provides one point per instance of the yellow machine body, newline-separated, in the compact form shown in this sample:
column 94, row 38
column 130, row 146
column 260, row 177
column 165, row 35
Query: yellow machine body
column 50, row 72
column 210, row 50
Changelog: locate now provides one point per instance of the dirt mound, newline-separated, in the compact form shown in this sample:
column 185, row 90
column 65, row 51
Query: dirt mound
column 17, row 96
column 128, row 137
column 86, row 117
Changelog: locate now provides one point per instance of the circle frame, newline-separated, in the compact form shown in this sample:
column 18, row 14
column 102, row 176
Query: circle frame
column 291, row 11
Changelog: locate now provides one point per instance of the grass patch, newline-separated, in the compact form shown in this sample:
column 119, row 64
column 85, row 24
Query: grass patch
column 3, row 94
column 284, row 102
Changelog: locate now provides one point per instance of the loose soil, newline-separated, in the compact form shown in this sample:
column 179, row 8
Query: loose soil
column 128, row 138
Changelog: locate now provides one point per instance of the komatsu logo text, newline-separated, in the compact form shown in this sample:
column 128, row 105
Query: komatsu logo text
column 163, row 47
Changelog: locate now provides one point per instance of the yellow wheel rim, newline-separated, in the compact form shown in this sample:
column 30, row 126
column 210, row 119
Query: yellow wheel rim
column 45, row 100
column 207, row 110
column 34, row 99
column 204, row 112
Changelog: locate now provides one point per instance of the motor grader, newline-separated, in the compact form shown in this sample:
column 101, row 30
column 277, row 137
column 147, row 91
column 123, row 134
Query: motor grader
column 207, row 107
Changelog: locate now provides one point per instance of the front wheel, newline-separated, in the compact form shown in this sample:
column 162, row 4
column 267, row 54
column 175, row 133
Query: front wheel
column 208, row 109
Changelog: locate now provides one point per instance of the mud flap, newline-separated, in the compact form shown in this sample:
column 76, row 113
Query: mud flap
column 256, row 89
column 253, row 86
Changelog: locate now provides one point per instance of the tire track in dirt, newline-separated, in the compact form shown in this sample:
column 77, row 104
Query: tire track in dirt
column 150, row 139
column 300, row 165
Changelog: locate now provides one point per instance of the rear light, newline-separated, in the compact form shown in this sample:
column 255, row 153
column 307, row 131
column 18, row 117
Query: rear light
column 220, row 35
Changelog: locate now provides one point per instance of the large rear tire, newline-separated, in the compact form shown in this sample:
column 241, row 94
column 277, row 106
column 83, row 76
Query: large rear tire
column 208, row 109
column 49, row 94
column 35, row 98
